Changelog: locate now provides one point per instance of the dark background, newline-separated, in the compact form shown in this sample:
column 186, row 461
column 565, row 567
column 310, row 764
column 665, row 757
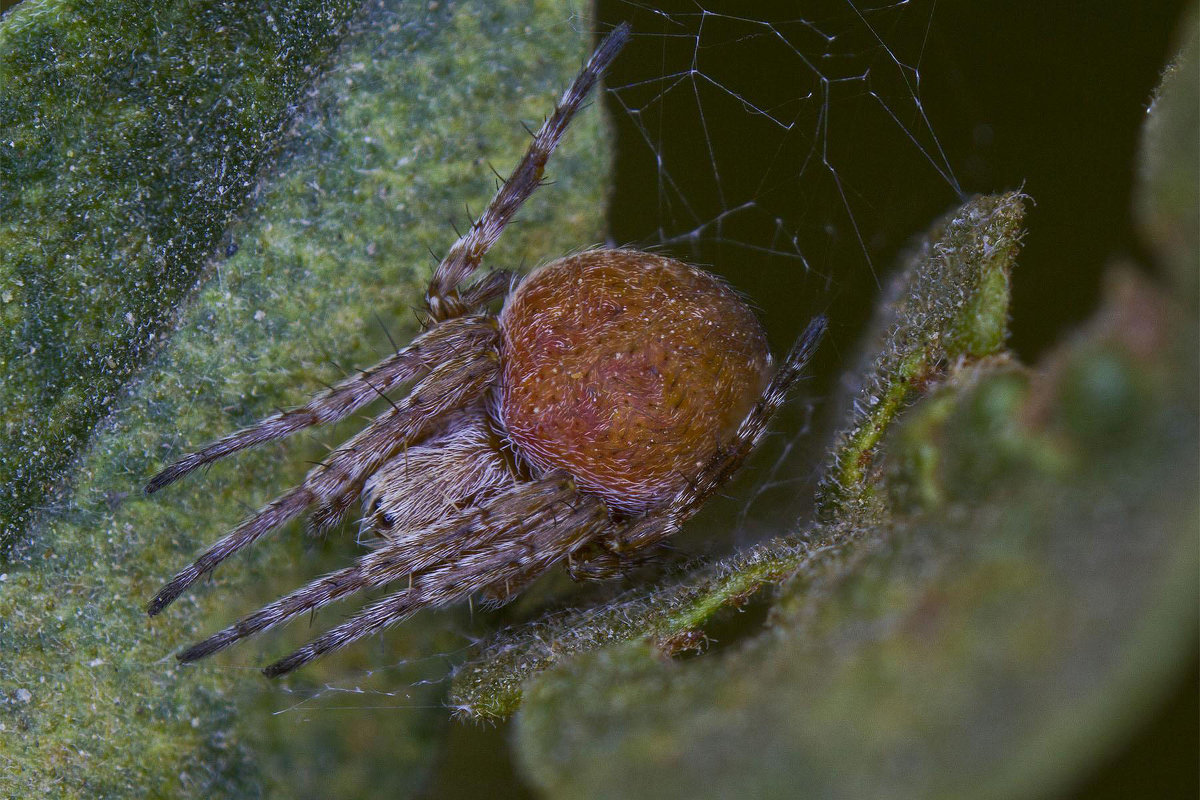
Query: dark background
column 1048, row 97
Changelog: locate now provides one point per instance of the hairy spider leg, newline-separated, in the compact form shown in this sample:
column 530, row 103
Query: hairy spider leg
column 492, row 286
column 451, row 385
column 464, row 554
column 546, row 536
column 728, row 459
column 612, row 553
column 391, row 561
column 368, row 453
column 458, row 466
column 468, row 251
column 535, row 534
column 427, row 351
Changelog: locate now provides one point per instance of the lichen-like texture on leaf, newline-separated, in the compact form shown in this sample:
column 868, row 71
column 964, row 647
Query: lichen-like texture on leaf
column 951, row 302
column 130, row 136
column 385, row 146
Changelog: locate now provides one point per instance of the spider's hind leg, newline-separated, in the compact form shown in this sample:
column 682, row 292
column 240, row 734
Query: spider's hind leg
column 627, row 545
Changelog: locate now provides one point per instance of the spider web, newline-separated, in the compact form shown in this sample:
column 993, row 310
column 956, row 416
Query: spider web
column 770, row 138
column 794, row 155
column 783, row 152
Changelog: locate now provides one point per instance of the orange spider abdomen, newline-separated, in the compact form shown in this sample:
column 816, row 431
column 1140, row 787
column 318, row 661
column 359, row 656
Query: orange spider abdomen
column 628, row 371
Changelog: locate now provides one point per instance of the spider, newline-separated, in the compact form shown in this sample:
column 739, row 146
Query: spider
column 614, row 392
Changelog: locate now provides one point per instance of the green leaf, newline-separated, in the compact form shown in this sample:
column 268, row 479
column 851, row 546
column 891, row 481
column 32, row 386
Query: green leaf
column 384, row 127
column 131, row 135
column 949, row 304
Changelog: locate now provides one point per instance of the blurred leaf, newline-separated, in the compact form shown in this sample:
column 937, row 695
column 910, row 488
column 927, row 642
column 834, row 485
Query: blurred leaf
column 1168, row 193
column 385, row 150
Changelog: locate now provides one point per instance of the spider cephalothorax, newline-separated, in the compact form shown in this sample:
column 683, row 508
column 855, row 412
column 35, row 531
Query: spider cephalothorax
column 613, row 394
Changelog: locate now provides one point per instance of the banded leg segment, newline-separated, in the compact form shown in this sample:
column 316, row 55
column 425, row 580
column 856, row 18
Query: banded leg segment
column 466, row 254
column 525, row 530
column 452, row 385
column 426, row 352
column 548, row 536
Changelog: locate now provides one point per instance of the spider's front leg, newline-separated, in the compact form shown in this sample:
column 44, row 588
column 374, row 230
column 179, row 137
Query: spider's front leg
column 452, row 385
column 432, row 348
column 455, row 303
column 465, row 255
